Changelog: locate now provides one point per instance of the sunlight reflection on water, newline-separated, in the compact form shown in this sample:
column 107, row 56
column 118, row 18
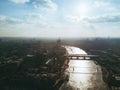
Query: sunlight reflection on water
column 74, row 50
column 83, row 74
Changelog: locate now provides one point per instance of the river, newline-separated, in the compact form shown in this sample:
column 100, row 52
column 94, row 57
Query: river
column 83, row 74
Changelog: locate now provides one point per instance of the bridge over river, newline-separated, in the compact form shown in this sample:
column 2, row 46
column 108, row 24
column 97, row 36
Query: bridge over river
column 83, row 74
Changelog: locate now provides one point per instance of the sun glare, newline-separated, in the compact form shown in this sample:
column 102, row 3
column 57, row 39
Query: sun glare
column 82, row 10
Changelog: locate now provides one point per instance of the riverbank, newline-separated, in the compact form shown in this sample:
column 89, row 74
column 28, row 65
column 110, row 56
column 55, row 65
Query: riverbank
column 63, row 77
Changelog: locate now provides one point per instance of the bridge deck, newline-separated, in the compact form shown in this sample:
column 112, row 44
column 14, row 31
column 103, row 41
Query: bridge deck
column 80, row 56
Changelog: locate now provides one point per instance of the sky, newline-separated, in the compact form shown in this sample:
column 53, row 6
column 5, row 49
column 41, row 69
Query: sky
column 60, row 18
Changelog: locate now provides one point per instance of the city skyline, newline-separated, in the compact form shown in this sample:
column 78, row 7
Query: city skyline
column 59, row 18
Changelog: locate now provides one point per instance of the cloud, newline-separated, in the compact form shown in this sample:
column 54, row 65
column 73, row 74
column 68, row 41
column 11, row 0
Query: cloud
column 2, row 17
column 104, row 19
column 45, row 4
column 71, row 18
column 10, row 21
column 36, row 19
column 33, row 19
column 30, row 25
column 110, row 18
column 104, row 5
column 13, row 21
column 19, row 1
column 95, row 22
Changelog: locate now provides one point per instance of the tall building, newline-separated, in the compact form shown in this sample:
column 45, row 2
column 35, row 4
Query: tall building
column 58, row 42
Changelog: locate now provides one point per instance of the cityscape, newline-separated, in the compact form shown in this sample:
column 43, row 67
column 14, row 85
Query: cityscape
column 34, row 64
column 59, row 44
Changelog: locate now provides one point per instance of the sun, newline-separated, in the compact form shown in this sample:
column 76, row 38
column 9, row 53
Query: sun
column 81, row 9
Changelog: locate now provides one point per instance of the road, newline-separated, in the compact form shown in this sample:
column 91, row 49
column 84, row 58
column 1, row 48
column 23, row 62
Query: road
column 83, row 74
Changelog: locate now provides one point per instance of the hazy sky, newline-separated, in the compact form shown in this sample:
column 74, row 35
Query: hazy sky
column 60, row 18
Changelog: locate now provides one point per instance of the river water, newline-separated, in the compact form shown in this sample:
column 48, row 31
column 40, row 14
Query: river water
column 83, row 74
